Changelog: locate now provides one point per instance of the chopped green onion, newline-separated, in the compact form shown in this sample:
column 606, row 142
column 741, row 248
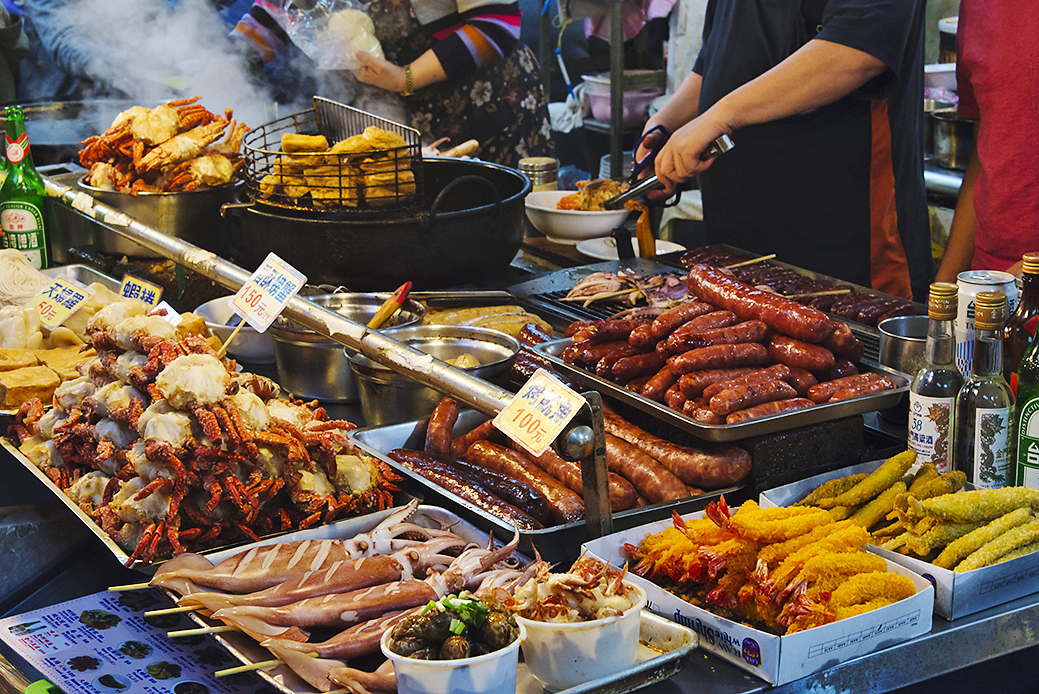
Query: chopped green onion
column 457, row 626
column 429, row 606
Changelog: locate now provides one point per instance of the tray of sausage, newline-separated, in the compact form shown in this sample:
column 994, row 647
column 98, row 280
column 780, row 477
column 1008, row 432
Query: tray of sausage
column 501, row 490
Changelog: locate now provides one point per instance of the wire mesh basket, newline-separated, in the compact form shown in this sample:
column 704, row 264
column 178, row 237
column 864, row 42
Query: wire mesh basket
column 373, row 166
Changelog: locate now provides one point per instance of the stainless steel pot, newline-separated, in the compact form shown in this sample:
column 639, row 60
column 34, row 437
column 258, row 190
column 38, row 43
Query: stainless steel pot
column 312, row 366
column 953, row 139
column 193, row 216
column 902, row 341
column 56, row 128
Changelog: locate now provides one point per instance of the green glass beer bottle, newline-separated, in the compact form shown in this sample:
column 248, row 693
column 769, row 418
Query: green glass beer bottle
column 22, row 195
column 1026, row 418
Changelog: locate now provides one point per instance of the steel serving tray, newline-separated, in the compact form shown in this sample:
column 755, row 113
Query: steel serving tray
column 559, row 543
column 732, row 432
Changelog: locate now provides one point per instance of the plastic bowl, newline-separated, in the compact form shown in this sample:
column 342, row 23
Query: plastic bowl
column 569, row 226
column 493, row 673
column 248, row 345
column 561, row 656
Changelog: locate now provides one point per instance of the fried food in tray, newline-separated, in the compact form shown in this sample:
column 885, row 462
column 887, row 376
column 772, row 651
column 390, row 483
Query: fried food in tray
column 370, row 169
column 507, row 318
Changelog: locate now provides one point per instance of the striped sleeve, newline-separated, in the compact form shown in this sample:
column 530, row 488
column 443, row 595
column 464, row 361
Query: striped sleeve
column 259, row 30
column 474, row 38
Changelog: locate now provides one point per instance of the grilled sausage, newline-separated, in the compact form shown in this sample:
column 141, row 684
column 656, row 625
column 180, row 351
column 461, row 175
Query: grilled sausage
column 676, row 316
column 577, row 326
column 860, row 389
column 822, row 392
column 843, row 343
column 747, row 331
column 701, row 413
column 483, row 432
column 622, row 494
column 693, row 383
column 767, row 409
column 651, row 479
column 803, row 355
column 801, row 380
column 675, row 342
column 531, row 334
column 567, row 507
column 627, row 368
column 770, row 373
column 841, row 368
column 674, row 397
column 744, row 395
column 658, row 383
column 441, row 424
column 719, row 357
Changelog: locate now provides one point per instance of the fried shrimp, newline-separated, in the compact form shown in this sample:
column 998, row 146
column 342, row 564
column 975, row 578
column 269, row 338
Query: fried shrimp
column 862, row 588
column 974, row 505
column 883, row 477
column 776, row 524
column 1019, row 536
column 773, row 554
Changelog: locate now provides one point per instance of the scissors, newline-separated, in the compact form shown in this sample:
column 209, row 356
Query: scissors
column 661, row 134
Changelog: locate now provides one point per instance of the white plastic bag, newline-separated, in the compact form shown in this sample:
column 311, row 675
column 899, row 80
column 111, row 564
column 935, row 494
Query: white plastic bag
column 565, row 116
column 330, row 32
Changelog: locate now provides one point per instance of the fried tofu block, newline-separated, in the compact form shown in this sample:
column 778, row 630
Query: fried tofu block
column 65, row 360
column 12, row 358
column 29, row 382
column 294, row 142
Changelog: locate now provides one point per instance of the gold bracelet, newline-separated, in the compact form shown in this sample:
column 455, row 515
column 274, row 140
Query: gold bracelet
column 408, row 84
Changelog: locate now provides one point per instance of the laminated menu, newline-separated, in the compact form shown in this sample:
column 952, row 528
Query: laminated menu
column 104, row 643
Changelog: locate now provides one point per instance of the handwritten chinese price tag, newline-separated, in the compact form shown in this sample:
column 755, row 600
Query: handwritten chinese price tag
column 136, row 288
column 538, row 412
column 263, row 297
column 58, row 301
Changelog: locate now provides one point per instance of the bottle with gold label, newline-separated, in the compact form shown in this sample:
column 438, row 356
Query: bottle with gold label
column 932, row 394
column 984, row 403
column 22, row 195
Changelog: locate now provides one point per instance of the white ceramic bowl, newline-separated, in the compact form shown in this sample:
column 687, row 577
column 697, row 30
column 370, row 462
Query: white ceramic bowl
column 248, row 345
column 561, row 656
column 569, row 226
column 493, row 673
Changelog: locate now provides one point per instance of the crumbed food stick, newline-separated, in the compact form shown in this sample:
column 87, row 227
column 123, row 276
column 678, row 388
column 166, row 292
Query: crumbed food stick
column 874, row 511
column 1012, row 539
column 939, row 536
column 974, row 505
column 926, row 473
column 946, row 483
column 832, row 488
column 880, row 479
column 1019, row 552
column 959, row 549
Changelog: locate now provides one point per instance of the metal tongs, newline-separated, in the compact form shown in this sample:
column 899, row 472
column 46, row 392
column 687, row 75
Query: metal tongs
column 720, row 145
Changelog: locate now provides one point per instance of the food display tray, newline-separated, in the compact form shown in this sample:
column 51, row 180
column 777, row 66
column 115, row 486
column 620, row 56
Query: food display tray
column 731, row 432
column 559, row 543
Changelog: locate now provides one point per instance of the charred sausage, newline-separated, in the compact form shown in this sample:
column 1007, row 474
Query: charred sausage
column 651, row 479
column 744, row 395
column 803, row 355
column 719, row 357
column 675, row 342
column 747, row 331
column 483, row 432
column 627, row 368
column 767, row 409
column 770, row 373
column 693, row 383
column 676, row 316
column 658, row 384
column 441, row 424
column 622, row 494
column 822, row 392
column 860, row 389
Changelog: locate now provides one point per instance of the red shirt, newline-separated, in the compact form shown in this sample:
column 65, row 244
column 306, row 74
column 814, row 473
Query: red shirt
column 998, row 78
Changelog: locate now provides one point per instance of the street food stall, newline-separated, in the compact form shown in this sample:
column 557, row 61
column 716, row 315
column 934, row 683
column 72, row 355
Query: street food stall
column 153, row 483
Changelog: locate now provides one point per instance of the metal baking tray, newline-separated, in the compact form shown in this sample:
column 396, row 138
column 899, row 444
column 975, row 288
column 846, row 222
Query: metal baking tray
column 731, row 432
column 558, row 543
column 83, row 274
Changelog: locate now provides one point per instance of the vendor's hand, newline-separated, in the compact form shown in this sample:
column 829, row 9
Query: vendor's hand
column 680, row 158
column 379, row 72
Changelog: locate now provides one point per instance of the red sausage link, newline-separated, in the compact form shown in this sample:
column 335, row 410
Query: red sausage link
column 767, row 409
column 841, row 368
column 693, row 383
column 637, row 365
column 704, row 415
column 672, row 318
column 822, row 392
column 719, row 357
column 530, row 335
column 577, row 326
column 868, row 388
column 643, row 337
column 440, row 426
column 614, row 329
column 622, row 494
column 747, row 331
column 651, row 479
column 709, row 321
column 674, row 397
column 770, row 373
column 745, row 395
column 658, row 384
column 801, row 380
column 783, row 315
column 590, row 355
column 794, row 352
column 843, row 343
column 484, row 432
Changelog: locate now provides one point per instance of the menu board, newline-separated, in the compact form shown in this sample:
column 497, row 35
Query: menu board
column 103, row 644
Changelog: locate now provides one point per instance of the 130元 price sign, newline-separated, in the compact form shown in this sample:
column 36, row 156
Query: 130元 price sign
column 262, row 298
column 539, row 412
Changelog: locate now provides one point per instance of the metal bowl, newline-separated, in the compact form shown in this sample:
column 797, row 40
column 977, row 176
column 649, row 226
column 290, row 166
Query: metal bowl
column 248, row 345
column 902, row 341
column 310, row 365
column 388, row 397
column 192, row 216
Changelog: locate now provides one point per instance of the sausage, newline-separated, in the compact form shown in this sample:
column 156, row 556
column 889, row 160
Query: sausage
column 705, row 469
column 635, row 384
column 675, row 316
column 588, row 355
column 622, row 494
column 783, row 315
column 505, row 487
column 700, row 413
column 434, row 471
column 674, row 397
column 768, row 408
column 566, row 506
column 719, row 357
column 770, row 373
column 709, row 321
column 484, row 432
column 643, row 337
column 843, row 343
column 822, row 392
column 693, row 383
column 651, row 479
column 841, row 368
column 794, row 352
column 801, row 380
column 747, row 331
column 627, row 368
column 612, row 330
column 441, row 425
column 527, row 363
column 531, row 334
column 577, row 326
column 744, row 395
column 604, row 367
column 658, row 384
column 860, row 389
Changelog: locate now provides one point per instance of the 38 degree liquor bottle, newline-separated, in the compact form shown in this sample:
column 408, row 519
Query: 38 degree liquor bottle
column 932, row 394
column 22, row 195
column 984, row 402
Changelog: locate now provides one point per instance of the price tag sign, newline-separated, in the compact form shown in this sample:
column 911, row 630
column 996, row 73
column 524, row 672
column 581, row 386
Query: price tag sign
column 263, row 297
column 537, row 414
column 170, row 316
column 58, row 301
column 136, row 288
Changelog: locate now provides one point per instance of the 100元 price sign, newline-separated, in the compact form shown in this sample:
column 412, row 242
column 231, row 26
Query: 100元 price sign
column 538, row 412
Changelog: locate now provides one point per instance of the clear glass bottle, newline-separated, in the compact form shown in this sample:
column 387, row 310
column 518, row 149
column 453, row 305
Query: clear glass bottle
column 22, row 195
column 1020, row 328
column 932, row 394
column 984, row 403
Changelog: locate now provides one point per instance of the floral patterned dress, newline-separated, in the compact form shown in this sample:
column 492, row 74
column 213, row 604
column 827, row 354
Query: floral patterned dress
column 502, row 105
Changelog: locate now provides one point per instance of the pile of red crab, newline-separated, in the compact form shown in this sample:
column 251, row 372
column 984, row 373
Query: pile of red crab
column 169, row 448
column 840, row 300
column 170, row 148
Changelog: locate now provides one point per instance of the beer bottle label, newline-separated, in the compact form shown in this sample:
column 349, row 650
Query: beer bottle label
column 991, row 439
column 1027, row 444
column 16, row 148
column 22, row 224
column 930, row 431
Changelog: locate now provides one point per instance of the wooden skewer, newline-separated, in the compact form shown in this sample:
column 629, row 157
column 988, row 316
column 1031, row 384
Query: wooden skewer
column 199, row 632
column 261, row 665
column 752, row 261
column 223, row 348
column 172, row 610
column 130, row 586
column 825, row 293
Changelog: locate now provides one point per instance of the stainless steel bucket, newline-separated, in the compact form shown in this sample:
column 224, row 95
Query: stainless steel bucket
column 953, row 139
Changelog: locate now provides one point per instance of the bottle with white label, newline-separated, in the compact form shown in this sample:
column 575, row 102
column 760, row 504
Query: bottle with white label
column 983, row 405
column 932, row 394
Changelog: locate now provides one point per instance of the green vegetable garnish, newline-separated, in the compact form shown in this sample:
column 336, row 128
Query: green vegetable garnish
column 468, row 609
column 457, row 627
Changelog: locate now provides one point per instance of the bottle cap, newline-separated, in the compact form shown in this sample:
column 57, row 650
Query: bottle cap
column 989, row 310
column 942, row 301
column 1030, row 263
